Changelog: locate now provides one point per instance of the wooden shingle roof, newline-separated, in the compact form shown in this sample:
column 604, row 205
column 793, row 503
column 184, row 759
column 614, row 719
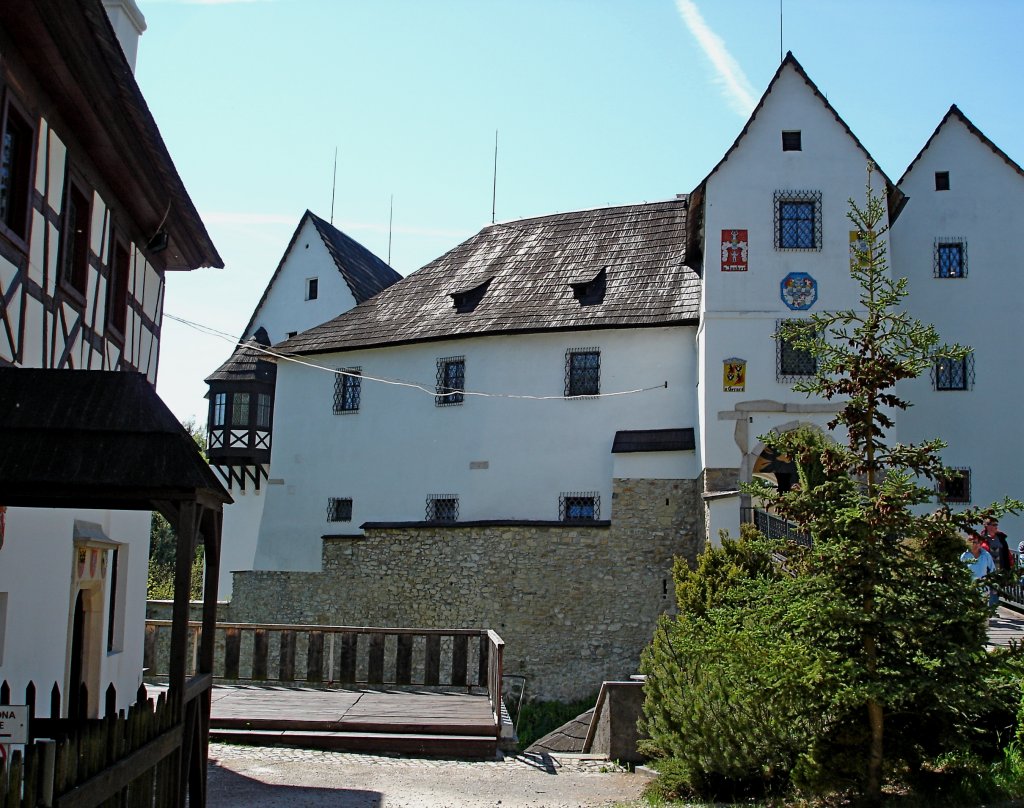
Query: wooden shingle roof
column 527, row 276
column 247, row 362
column 95, row 438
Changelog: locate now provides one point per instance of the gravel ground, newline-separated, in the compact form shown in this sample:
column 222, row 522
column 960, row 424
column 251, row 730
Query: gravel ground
column 261, row 777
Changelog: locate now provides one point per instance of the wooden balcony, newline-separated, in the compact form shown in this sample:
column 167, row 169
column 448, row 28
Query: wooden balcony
column 407, row 690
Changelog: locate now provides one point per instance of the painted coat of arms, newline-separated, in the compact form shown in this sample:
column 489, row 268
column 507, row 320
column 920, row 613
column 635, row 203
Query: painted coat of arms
column 734, row 251
column 799, row 291
column 734, row 375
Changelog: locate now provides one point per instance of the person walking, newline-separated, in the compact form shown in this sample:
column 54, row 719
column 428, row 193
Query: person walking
column 998, row 546
column 980, row 562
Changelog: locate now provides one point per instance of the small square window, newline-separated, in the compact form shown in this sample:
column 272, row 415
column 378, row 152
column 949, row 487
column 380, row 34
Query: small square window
column 451, row 381
column 950, row 258
column 582, row 372
column 791, row 141
column 798, row 220
column 954, row 374
column 348, row 385
column 339, row 510
column 792, row 364
column 312, row 288
column 442, row 508
column 957, row 488
column 579, row 506
column 941, row 180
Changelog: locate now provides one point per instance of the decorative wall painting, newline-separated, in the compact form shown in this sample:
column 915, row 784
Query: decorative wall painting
column 734, row 375
column 734, row 251
column 799, row 291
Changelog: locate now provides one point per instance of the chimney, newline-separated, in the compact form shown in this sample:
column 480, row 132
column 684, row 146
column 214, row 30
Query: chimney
column 128, row 24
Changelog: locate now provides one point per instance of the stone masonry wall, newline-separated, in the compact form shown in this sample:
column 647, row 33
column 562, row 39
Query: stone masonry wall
column 575, row 604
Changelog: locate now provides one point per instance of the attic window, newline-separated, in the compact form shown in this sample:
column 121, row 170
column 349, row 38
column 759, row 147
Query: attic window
column 791, row 141
column 312, row 288
column 941, row 180
column 591, row 292
column 465, row 300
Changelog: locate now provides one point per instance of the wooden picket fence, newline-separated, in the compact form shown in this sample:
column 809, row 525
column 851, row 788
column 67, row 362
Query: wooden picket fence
column 127, row 759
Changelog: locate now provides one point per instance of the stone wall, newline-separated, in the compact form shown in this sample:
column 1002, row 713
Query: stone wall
column 575, row 604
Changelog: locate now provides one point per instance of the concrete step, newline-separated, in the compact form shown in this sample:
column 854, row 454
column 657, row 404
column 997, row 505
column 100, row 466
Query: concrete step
column 388, row 727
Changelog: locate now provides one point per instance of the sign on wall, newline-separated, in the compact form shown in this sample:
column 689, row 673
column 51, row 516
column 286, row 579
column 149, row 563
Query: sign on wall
column 799, row 291
column 734, row 375
column 734, row 251
column 857, row 243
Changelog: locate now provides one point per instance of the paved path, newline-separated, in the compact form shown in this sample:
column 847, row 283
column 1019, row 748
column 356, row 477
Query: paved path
column 1006, row 626
column 255, row 777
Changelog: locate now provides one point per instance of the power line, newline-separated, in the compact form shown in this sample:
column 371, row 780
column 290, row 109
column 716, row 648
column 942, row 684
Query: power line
column 431, row 391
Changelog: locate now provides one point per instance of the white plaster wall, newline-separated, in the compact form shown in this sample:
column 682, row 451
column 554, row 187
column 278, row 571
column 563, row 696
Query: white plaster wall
column 238, row 534
column 655, row 465
column 286, row 308
column 37, row 572
column 740, row 309
column 399, row 448
column 984, row 205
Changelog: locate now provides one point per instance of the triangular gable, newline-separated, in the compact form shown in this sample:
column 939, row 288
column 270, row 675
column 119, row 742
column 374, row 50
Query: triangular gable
column 954, row 112
column 364, row 273
column 894, row 196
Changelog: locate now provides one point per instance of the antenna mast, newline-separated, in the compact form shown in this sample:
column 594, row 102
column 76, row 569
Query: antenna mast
column 391, row 218
column 494, row 186
column 334, row 182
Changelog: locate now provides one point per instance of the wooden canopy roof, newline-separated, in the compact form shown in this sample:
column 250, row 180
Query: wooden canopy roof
column 96, row 439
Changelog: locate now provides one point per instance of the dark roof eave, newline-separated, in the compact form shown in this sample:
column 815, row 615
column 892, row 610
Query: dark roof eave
column 691, row 321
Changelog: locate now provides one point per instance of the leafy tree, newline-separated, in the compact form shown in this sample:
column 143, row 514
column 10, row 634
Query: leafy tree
column 885, row 621
column 163, row 541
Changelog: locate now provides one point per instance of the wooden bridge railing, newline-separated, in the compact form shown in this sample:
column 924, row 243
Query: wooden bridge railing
column 329, row 656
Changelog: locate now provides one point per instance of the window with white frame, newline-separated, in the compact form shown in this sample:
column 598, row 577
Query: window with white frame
column 950, row 258
column 953, row 374
column 797, row 220
column 442, row 508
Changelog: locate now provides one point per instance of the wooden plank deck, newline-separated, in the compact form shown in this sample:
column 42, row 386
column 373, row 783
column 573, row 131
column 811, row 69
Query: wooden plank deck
column 412, row 722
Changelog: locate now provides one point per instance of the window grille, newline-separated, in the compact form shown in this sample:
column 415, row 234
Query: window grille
column 957, row 488
column 792, row 364
column 941, row 180
column 348, row 385
column 791, row 141
column 339, row 510
column 579, row 506
column 953, row 374
column 950, row 259
column 451, row 381
column 240, row 410
column 798, row 220
column 582, row 372
column 443, row 508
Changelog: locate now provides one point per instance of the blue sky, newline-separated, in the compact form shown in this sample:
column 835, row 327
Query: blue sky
column 596, row 102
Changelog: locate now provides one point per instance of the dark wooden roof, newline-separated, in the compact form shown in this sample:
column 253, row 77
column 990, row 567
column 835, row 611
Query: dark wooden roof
column 89, row 438
column 364, row 273
column 247, row 363
column 75, row 57
column 654, row 440
column 954, row 112
column 526, row 270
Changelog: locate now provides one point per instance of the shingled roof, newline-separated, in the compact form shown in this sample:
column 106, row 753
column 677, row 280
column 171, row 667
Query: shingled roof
column 606, row 268
column 95, row 438
column 248, row 362
column 364, row 273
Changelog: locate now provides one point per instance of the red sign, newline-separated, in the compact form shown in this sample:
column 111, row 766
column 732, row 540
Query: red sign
column 734, row 251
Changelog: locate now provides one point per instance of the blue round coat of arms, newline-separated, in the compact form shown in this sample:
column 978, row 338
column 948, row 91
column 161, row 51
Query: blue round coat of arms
column 799, row 291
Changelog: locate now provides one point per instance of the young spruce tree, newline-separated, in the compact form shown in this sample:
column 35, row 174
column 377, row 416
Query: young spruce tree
column 905, row 617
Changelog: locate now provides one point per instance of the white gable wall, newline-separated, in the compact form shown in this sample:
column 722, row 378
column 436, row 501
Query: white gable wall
column 285, row 309
column 741, row 309
column 400, row 448
column 985, row 207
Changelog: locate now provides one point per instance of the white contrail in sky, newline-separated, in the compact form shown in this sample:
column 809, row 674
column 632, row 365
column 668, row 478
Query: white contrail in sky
column 738, row 91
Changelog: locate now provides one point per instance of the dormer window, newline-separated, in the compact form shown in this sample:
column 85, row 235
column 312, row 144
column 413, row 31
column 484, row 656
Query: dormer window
column 791, row 141
column 591, row 292
column 312, row 288
column 466, row 300
column 941, row 180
